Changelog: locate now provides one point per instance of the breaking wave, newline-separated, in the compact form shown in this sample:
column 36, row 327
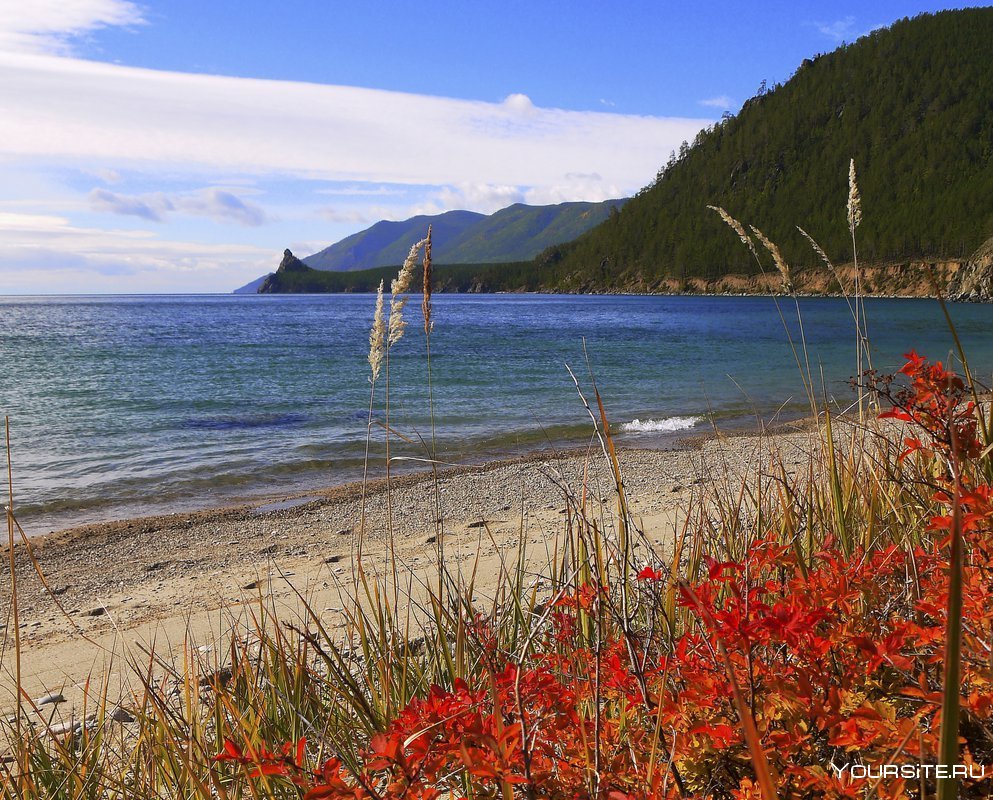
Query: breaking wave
column 660, row 425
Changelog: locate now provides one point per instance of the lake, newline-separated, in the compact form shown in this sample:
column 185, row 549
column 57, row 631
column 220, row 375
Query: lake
column 123, row 406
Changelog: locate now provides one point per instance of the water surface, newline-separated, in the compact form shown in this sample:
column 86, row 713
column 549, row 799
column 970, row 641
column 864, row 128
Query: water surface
column 129, row 405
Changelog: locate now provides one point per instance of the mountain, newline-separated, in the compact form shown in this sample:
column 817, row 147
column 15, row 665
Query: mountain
column 515, row 277
column 516, row 233
column 912, row 104
column 389, row 242
column 289, row 266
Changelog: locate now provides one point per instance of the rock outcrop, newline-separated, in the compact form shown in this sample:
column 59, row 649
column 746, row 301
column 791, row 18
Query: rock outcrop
column 290, row 263
column 974, row 282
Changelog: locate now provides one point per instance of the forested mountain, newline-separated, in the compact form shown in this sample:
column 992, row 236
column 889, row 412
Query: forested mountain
column 912, row 104
column 516, row 233
column 388, row 242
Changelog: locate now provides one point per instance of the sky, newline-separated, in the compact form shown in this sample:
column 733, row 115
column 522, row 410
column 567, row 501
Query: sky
column 179, row 146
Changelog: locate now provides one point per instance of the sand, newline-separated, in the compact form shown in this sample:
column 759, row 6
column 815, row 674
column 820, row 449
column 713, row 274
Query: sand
column 122, row 589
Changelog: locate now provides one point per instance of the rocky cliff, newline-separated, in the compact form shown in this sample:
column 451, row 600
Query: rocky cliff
column 974, row 282
column 290, row 263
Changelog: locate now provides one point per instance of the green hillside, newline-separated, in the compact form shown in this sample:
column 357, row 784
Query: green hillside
column 913, row 104
column 519, row 232
column 388, row 242
column 516, row 233
column 302, row 279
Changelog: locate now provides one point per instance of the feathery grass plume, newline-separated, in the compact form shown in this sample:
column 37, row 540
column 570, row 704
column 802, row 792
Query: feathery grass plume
column 398, row 299
column 817, row 248
column 377, row 336
column 737, row 227
column 854, row 199
column 426, row 301
column 777, row 257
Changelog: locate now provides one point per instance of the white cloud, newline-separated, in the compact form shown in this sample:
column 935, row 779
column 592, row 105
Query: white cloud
column 47, row 251
column 482, row 197
column 150, row 208
column 519, row 104
column 838, row 30
column 844, row 29
column 48, row 26
column 108, row 116
column 722, row 101
column 358, row 190
column 108, row 175
column 213, row 203
column 354, row 215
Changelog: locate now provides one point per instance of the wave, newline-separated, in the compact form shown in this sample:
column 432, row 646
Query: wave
column 660, row 425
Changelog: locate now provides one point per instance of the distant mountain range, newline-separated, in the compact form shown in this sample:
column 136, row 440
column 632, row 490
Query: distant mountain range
column 516, row 233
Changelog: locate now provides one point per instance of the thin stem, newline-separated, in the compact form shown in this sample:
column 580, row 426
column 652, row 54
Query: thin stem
column 13, row 587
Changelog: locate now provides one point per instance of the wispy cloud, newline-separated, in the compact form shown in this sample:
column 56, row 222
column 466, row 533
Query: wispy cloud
column 845, row 29
column 722, row 101
column 114, row 117
column 838, row 30
column 359, row 190
column 151, row 208
column 44, row 250
column 356, row 215
column 213, row 203
column 49, row 26
column 483, row 197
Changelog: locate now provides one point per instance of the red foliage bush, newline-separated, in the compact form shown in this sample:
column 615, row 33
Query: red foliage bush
column 838, row 659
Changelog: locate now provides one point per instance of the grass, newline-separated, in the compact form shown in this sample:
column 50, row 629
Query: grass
column 797, row 624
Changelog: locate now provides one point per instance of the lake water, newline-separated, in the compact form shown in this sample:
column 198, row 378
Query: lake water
column 128, row 405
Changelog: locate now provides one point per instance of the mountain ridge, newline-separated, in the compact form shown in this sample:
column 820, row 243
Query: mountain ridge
column 512, row 234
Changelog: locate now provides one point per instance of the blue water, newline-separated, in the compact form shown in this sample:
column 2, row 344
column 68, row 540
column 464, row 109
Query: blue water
column 130, row 405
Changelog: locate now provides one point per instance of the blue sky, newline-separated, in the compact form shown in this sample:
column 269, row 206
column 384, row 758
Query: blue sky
column 179, row 146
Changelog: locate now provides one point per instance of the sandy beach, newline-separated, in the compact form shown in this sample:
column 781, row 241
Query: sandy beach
column 120, row 590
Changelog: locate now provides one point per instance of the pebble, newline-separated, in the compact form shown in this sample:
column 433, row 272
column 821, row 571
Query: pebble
column 50, row 699
column 73, row 727
column 121, row 715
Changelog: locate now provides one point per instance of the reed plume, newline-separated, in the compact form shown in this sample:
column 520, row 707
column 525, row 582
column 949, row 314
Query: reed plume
column 817, row 249
column 777, row 257
column 377, row 336
column 426, row 301
column 398, row 296
column 737, row 227
column 854, row 199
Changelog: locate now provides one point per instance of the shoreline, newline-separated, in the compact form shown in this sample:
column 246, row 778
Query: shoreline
column 131, row 583
column 350, row 489
column 40, row 525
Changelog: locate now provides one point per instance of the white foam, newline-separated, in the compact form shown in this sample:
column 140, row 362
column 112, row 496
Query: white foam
column 660, row 425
